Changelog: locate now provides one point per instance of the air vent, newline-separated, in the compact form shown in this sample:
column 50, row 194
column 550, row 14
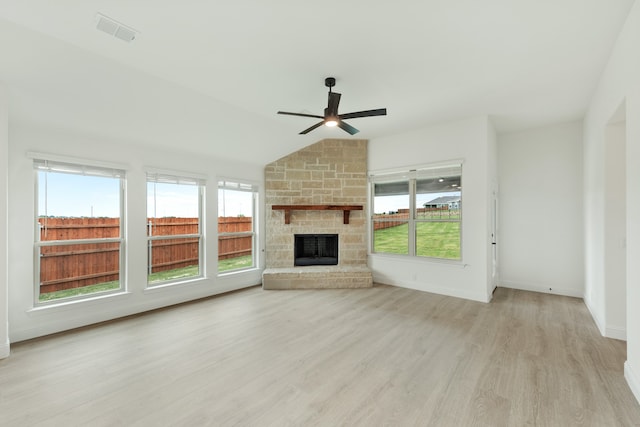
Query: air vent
column 115, row 28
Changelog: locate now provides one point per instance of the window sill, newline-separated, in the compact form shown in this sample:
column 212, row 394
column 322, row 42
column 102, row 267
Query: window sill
column 175, row 284
column 238, row 272
column 419, row 259
column 68, row 305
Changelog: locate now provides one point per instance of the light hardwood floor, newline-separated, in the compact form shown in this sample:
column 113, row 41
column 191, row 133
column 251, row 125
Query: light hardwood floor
column 367, row 357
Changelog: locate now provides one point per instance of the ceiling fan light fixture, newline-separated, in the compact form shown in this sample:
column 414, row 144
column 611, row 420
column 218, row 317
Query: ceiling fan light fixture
column 331, row 122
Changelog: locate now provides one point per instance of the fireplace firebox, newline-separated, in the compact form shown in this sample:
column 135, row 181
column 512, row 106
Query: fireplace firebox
column 315, row 249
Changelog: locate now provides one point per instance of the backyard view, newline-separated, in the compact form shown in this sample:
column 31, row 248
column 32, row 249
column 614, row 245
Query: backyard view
column 420, row 215
column 224, row 265
column 437, row 240
column 80, row 237
column 79, row 269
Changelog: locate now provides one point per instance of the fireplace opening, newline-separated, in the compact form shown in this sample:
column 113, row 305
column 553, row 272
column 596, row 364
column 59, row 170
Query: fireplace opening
column 315, row 249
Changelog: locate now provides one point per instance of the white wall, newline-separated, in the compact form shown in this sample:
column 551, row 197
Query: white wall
column 615, row 251
column 466, row 140
column 541, row 234
column 4, row 174
column 26, row 322
column 620, row 83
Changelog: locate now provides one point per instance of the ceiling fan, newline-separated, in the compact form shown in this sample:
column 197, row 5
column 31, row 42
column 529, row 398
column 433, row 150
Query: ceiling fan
column 331, row 117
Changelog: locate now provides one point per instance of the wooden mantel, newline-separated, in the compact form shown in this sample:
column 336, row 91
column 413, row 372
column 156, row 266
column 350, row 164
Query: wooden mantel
column 346, row 210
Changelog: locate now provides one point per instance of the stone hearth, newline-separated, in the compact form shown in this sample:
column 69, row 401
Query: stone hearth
column 317, row 278
column 329, row 173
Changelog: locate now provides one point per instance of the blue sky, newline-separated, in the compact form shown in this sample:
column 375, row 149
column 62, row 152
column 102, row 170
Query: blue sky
column 77, row 195
column 235, row 203
column 86, row 196
column 167, row 200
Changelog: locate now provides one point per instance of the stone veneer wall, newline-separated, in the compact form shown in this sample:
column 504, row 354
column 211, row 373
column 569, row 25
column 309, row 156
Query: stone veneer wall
column 332, row 171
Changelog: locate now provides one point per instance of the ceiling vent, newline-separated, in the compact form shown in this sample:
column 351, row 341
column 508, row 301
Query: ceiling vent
column 115, row 28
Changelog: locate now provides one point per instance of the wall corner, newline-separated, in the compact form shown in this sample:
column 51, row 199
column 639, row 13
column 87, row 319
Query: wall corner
column 4, row 222
column 632, row 380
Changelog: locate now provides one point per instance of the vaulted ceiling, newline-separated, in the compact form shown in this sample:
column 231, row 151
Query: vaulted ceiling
column 209, row 76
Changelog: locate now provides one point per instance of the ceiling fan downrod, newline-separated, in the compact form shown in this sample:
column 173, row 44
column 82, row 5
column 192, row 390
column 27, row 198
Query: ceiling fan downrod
column 330, row 82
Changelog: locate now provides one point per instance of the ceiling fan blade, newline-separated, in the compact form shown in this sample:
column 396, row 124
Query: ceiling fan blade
column 334, row 101
column 317, row 125
column 301, row 115
column 347, row 128
column 367, row 113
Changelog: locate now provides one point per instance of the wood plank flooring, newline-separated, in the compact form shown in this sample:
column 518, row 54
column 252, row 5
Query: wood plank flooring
column 362, row 357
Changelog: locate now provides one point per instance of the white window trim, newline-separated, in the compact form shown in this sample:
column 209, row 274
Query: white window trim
column 171, row 176
column 253, row 188
column 148, row 170
column 56, row 158
column 119, row 171
column 411, row 174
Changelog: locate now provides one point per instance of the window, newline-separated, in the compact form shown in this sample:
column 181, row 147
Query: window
column 79, row 245
column 236, row 228
column 391, row 218
column 174, row 228
column 418, row 213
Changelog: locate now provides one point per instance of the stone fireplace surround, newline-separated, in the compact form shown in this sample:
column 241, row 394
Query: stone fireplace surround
column 333, row 173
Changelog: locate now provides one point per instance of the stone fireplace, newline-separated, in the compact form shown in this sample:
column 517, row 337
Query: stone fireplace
column 319, row 190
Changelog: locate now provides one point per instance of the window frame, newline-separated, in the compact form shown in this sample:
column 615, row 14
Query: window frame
column 394, row 178
column 252, row 188
column 72, row 166
column 412, row 176
column 173, row 177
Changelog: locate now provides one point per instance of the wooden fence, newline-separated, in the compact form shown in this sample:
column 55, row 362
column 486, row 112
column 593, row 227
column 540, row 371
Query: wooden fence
column 389, row 220
column 382, row 221
column 78, row 265
column 233, row 246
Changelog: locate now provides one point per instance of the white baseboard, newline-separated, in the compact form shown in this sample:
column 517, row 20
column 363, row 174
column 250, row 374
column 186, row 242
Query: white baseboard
column 427, row 287
column 594, row 316
column 605, row 331
column 616, row 333
column 4, row 350
column 567, row 292
column 633, row 380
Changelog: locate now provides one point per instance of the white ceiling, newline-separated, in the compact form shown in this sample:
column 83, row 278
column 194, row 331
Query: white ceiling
column 209, row 76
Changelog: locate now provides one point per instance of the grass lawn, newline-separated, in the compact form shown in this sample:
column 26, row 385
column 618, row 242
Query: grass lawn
column 154, row 278
column 433, row 239
column 91, row 289
column 176, row 273
column 234, row 263
column 393, row 240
